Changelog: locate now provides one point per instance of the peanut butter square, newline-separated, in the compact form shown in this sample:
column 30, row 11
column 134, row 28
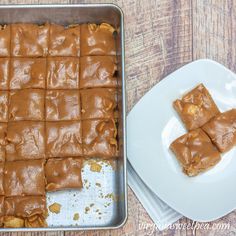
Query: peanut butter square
column 100, row 138
column 27, row 73
column 64, row 139
column 25, row 206
column 62, row 105
column 195, row 152
column 3, row 141
column 63, row 174
column 26, row 104
column 3, row 106
column 5, row 40
column 4, row 73
column 25, row 141
column 64, row 41
column 29, row 40
column 24, row 178
column 222, row 130
column 1, row 178
column 63, row 73
column 98, row 103
column 97, row 40
column 196, row 107
column 98, row 71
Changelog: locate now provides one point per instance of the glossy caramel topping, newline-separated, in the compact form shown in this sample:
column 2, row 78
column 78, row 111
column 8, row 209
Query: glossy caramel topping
column 5, row 41
column 28, row 73
column 24, row 178
column 25, row 206
column 3, row 106
column 62, row 105
column 4, row 73
column 29, row 40
column 196, row 107
column 98, row 103
column 64, row 41
column 98, row 71
column 25, row 140
column 97, row 40
column 99, row 138
column 63, row 174
column 3, row 134
column 64, row 138
column 63, row 73
column 26, row 105
column 222, row 130
column 1, row 178
column 195, row 152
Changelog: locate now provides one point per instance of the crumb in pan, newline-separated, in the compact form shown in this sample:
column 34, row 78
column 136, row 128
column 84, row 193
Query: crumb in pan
column 76, row 216
column 55, row 208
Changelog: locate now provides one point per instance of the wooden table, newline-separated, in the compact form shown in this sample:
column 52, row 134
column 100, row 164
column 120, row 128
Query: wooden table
column 161, row 36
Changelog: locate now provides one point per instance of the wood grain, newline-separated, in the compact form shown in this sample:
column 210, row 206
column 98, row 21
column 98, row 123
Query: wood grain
column 161, row 36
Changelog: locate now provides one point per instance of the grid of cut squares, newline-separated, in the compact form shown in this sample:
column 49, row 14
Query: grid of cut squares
column 41, row 99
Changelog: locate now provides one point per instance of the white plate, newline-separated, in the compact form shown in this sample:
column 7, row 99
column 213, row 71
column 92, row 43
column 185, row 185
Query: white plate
column 153, row 125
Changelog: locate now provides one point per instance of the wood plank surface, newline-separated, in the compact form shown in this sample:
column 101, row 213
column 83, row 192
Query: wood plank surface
column 161, row 36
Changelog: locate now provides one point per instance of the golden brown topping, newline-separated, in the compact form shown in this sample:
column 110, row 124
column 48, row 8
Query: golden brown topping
column 36, row 221
column 108, row 27
column 92, row 27
column 13, row 222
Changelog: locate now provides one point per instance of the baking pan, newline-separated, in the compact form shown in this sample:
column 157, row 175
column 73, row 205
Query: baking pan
column 102, row 203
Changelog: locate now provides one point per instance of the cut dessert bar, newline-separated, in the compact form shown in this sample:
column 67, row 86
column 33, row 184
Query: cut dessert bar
column 97, row 39
column 195, row 152
column 24, row 178
column 63, row 174
column 98, row 71
column 196, row 107
column 222, row 130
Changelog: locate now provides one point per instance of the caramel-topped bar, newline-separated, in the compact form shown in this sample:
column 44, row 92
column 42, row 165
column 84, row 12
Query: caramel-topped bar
column 24, row 178
column 195, row 152
column 26, row 104
column 25, row 140
column 64, row 41
column 64, row 139
column 27, row 73
column 222, row 130
column 100, row 138
column 4, row 72
column 29, row 40
column 5, row 42
column 98, row 71
column 97, row 40
column 196, row 107
column 98, row 103
column 63, row 174
column 63, row 105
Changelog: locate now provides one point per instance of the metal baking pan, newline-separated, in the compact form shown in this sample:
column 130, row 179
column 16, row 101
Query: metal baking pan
column 102, row 203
